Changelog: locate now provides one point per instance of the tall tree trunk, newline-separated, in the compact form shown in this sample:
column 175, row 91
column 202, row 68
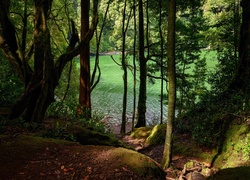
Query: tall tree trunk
column 84, row 94
column 141, row 118
column 134, row 64
column 161, row 56
column 239, row 82
column 125, row 73
column 171, row 82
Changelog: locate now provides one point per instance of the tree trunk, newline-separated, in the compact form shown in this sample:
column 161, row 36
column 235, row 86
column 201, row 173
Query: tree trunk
column 239, row 82
column 162, row 73
column 134, row 64
column 84, row 94
column 125, row 73
column 39, row 92
column 171, row 82
column 41, row 82
column 141, row 119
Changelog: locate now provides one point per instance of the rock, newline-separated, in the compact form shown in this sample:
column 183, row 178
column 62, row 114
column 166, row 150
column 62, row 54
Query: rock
column 195, row 176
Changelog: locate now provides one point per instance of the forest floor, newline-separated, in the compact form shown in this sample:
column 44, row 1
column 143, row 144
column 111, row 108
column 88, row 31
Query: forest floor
column 24, row 155
column 74, row 161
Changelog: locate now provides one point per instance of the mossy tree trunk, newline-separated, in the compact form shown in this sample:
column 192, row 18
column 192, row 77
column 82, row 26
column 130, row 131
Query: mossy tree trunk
column 171, row 82
column 41, row 82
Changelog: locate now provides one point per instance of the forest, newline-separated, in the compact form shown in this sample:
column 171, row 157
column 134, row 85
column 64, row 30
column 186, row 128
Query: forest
column 129, row 89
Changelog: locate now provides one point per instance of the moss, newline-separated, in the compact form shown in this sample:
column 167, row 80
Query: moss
column 91, row 137
column 157, row 135
column 142, row 132
column 138, row 163
column 236, row 148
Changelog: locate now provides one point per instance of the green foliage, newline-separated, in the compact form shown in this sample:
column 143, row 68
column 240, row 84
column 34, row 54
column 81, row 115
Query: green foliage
column 66, row 93
column 10, row 85
column 209, row 119
column 223, row 19
column 62, row 109
column 59, row 131
column 94, row 123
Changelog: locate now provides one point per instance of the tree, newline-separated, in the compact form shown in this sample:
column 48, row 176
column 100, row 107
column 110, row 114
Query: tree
column 134, row 64
column 171, row 82
column 141, row 108
column 40, row 82
column 124, row 67
column 84, row 94
column 223, row 18
column 239, row 81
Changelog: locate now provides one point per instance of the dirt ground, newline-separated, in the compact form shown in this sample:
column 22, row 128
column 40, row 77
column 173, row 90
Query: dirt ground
column 76, row 162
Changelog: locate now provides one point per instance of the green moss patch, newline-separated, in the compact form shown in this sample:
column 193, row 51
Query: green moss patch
column 142, row 132
column 157, row 135
column 236, row 148
column 91, row 137
column 138, row 163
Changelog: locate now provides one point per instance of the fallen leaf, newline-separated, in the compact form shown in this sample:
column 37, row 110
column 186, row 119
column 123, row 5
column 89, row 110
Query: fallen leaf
column 125, row 169
column 57, row 172
column 89, row 170
column 86, row 178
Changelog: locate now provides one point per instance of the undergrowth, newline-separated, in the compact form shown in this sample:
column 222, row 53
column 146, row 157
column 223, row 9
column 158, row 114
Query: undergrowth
column 208, row 120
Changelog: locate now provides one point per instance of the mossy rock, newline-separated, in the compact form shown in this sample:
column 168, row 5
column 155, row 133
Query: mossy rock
column 86, row 136
column 157, row 135
column 239, row 173
column 139, row 163
column 236, row 148
column 141, row 133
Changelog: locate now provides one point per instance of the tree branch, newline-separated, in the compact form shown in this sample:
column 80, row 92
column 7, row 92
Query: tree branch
column 74, row 51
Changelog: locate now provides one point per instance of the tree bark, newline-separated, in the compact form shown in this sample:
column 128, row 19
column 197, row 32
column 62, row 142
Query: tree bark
column 41, row 82
column 39, row 92
column 84, row 94
column 239, row 82
column 134, row 64
column 125, row 73
column 171, row 82
column 141, row 118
